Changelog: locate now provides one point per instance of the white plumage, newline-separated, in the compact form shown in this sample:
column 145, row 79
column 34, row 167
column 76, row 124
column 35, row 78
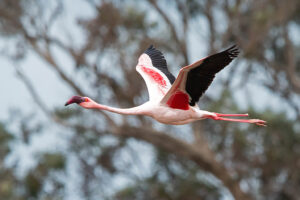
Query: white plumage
column 174, row 101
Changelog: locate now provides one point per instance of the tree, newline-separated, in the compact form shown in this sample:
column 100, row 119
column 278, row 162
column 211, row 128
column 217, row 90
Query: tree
column 202, row 160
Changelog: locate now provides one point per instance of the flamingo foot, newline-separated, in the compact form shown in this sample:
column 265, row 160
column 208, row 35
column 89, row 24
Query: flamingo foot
column 258, row 122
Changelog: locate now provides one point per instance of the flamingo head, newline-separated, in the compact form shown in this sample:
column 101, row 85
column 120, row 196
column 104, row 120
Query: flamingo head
column 85, row 102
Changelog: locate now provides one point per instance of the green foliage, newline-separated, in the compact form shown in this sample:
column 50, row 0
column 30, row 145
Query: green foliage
column 7, row 184
column 33, row 185
column 172, row 178
column 66, row 113
column 49, row 164
column 265, row 159
column 13, row 187
column 5, row 138
column 52, row 161
column 134, row 19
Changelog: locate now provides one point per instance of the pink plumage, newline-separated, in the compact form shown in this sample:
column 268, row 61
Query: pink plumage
column 173, row 101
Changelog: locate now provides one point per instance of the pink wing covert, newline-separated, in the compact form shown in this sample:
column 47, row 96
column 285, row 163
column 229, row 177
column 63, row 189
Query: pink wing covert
column 177, row 97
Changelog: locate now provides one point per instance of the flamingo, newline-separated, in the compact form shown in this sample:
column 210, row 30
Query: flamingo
column 173, row 101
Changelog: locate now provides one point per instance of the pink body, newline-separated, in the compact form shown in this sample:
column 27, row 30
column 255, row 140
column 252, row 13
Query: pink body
column 166, row 115
column 168, row 104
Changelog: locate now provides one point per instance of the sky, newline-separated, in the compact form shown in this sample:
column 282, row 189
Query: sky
column 54, row 93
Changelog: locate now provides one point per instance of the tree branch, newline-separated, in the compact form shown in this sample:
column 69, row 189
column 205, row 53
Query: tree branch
column 180, row 43
column 211, row 24
column 47, row 56
column 185, row 150
column 294, row 79
column 37, row 98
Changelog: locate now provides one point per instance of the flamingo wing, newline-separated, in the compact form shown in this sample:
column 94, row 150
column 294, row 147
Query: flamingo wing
column 152, row 66
column 193, row 80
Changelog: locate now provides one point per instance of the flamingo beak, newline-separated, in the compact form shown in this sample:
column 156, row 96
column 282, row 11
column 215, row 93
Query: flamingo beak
column 75, row 99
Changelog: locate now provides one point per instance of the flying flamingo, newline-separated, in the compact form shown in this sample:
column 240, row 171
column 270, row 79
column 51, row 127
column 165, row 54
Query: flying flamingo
column 173, row 101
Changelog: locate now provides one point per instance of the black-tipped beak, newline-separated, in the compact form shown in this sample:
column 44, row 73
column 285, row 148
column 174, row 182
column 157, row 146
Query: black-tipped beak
column 69, row 102
column 75, row 99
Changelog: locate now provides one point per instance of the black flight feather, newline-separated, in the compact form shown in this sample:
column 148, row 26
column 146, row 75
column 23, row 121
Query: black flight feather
column 199, row 78
column 159, row 62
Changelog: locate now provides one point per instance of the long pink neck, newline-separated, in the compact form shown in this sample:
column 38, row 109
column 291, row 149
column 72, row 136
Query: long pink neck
column 139, row 110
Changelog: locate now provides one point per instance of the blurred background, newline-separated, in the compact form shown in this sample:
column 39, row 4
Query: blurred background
column 52, row 50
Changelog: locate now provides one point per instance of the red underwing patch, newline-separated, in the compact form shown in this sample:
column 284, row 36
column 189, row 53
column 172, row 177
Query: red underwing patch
column 155, row 76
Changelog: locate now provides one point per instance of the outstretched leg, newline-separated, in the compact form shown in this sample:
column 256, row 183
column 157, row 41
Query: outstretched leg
column 231, row 115
column 252, row 121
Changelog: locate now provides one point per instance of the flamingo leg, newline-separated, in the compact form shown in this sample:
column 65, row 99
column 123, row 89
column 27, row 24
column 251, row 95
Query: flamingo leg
column 251, row 121
column 231, row 115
